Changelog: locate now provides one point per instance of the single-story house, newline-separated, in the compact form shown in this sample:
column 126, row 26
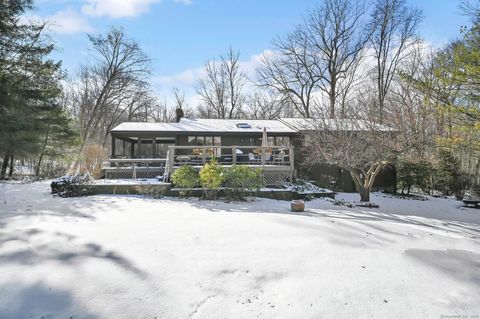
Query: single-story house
column 143, row 150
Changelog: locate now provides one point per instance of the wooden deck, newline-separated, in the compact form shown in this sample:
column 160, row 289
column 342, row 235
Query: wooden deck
column 276, row 162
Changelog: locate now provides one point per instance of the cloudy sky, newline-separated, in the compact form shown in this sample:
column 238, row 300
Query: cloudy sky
column 180, row 35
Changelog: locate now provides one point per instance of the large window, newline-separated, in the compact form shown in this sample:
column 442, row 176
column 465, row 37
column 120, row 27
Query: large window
column 206, row 141
column 282, row 141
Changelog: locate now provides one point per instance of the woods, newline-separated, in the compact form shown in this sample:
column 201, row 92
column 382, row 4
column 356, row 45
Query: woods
column 380, row 95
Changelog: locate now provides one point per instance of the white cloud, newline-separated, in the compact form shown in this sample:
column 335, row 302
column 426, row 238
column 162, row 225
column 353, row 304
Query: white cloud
column 69, row 21
column 117, row 8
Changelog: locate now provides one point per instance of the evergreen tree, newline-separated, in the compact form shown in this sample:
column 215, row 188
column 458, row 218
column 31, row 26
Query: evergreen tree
column 29, row 84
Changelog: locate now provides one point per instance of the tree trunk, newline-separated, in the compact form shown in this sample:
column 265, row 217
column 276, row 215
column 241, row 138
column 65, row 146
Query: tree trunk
column 39, row 164
column 364, row 195
column 3, row 170
column 10, row 172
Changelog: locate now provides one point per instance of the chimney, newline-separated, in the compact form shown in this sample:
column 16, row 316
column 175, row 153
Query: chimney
column 180, row 114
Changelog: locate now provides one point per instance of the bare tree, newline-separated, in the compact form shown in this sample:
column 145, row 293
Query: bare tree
column 357, row 144
column 394, row 30
column 221, row 88
column 320, row 54
column 111, row 86
column 264, row 106
column 291, row 71
column 335, row 31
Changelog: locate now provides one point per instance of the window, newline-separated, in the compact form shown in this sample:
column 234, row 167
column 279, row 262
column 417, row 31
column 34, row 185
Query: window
column 282, row 141
column 192, row 140
column 208, row 140
column 200, row 140
column 243, row 125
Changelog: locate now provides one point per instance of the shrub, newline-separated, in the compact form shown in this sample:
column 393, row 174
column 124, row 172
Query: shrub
column 211, row 178
column 242, row 181
column 152, row 191
column 94, row 155
column 185, row 177
column 410, row 174
column 70, row 186
column 448, row 178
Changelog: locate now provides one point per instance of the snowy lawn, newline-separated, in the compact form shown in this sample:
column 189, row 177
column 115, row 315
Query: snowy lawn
column 128, row 257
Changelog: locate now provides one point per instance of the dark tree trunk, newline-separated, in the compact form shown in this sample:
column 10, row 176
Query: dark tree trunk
column 364, row 195
column 3, row 170
column 10, row 172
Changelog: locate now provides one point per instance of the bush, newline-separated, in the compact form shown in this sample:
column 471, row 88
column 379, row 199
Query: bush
column 70, row 186
column 211, row 179
column 448, row 178
column 410, row 174
column 242, row 180
column 94, row 155
column 185, row 177
column 152, row 191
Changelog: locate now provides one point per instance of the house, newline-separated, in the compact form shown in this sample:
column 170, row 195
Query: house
column 143, row 150
column 147, row 150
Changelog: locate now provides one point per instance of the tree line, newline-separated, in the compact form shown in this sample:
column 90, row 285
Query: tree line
column 362, row 60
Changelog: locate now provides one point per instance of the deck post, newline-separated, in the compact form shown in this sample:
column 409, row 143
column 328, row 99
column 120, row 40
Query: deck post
column 154, row 147
column 204, row 155
column 292, row 162
column 139, row 147
column 234, row 155
column 124, row 153
column 113, row 147
column 132, row 149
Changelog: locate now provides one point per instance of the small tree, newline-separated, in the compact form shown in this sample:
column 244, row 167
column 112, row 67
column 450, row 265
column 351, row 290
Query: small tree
column 211, row 178
column 243, row 180
column 413, row 173
column 186, row 177
column 449, row 178
column 357, row 144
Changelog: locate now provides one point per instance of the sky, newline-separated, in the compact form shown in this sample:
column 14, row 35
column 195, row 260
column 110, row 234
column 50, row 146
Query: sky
column 181, row 35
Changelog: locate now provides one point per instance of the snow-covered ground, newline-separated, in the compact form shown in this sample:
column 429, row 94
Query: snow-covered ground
column 129, row 257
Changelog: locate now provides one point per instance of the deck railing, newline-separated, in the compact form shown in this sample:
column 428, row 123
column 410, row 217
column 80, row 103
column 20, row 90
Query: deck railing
column 232, row 155
column 271, row 158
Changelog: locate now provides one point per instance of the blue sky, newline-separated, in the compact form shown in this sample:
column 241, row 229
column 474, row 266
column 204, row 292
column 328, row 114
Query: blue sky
column 180, row 35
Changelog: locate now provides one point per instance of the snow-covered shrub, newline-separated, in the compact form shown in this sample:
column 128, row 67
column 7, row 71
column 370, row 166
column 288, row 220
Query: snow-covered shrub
column 211, row 178
column 241, row 181
column 186, row 177
column 70, row 186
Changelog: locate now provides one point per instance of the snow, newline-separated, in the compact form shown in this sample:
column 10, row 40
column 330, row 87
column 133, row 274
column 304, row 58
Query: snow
column 312, row 124
column 145, row 181
column 131, row 257
column 207, row 126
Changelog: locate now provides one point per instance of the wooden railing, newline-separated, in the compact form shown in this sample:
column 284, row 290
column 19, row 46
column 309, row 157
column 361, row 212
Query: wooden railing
column 231, row 155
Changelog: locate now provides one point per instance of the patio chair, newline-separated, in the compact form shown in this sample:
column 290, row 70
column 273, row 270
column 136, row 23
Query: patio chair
column 252, row 159
column 279, row 158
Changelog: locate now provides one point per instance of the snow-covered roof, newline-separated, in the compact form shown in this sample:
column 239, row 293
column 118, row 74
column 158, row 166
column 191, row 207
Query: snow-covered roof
column 208, row 125
column 281, row 126
column 146, row 127
column 302, row 124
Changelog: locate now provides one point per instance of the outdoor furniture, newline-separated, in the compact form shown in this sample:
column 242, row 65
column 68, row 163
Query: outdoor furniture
column 183, row 159
column 252, row 159
column 297, row 206
column 279, row 158
column 471, row 202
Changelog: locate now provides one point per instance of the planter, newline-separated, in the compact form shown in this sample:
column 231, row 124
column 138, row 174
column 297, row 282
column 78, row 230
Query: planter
column 297, row 206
